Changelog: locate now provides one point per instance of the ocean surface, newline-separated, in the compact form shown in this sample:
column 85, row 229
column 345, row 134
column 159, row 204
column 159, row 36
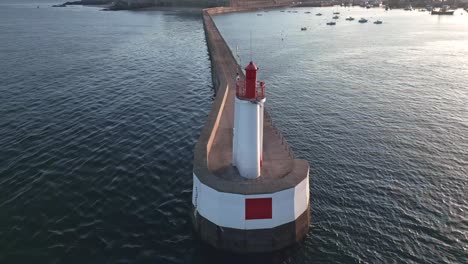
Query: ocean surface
column 99, row 115
column 381, row 114
column 100, row 112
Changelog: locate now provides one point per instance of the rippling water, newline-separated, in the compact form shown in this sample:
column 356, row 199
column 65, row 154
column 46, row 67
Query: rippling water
column 100, row 111
column 99, row 114
column 381, row 113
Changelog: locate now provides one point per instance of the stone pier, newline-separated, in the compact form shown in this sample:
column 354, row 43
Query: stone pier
column 281, row 173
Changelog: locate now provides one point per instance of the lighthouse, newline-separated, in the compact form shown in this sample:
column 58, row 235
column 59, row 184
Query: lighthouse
column 250, row 194
column 247, row 150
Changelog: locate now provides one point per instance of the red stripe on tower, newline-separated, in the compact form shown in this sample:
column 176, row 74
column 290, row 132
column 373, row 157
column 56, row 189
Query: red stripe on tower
column 258, row 208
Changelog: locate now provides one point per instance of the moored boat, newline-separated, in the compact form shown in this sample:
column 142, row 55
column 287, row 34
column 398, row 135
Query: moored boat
column 331, row 23
column 350, row 18
column 378, row 22
column 444, row 10
column 362, row 20
column 318, row 14
column 336, row 17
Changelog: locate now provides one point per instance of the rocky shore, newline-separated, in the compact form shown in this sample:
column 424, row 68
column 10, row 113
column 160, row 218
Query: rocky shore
column 85, row 2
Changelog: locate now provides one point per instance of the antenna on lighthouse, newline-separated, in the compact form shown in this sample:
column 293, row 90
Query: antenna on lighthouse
column 250, row 45
column 237, row 54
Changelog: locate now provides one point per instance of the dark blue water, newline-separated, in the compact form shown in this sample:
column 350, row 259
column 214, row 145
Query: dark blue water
column 100, row 111
column 381, row 113
column 99, row 114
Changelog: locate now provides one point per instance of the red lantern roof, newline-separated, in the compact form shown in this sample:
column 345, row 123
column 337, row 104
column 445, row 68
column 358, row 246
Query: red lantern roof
column 251, row 67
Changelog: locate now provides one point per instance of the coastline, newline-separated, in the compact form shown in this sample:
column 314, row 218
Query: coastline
column 170, row 8
column 163, row 6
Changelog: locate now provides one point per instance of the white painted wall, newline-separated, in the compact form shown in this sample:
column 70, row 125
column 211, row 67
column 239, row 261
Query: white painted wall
column 235, row 138
column 228, row 209
column 248, row 137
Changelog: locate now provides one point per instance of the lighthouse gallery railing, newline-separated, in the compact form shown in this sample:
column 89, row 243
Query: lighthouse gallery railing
column 259, row 90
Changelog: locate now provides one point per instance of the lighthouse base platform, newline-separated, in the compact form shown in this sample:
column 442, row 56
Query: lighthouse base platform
column 250, row 216
column 251, row 241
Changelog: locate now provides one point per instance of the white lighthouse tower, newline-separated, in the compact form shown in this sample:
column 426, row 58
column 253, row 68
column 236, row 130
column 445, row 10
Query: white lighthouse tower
column 247, row 148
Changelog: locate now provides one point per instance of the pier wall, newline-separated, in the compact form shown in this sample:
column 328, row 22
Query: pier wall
column 203, row 146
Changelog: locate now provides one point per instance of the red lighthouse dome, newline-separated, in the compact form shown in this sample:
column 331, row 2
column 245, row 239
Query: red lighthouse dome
column 250, row 89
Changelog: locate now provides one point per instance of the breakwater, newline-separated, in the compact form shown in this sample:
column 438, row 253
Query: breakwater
column 281, row 174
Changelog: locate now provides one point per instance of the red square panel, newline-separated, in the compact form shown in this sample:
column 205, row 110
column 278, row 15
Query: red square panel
column 258, row 208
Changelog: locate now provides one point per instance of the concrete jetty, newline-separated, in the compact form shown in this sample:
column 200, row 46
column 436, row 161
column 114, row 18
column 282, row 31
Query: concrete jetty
column 222, row 200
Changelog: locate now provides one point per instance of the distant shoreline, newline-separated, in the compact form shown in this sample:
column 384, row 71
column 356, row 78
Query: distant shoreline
column 108, row 5
column 103, row 4
column 164, row 8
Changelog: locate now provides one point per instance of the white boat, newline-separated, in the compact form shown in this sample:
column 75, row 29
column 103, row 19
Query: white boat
column 331, row 23
column 408, row 8
column 378, row 22
column 444, row 10
column 362, row 20
column 350, row 18
column 336, row 17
